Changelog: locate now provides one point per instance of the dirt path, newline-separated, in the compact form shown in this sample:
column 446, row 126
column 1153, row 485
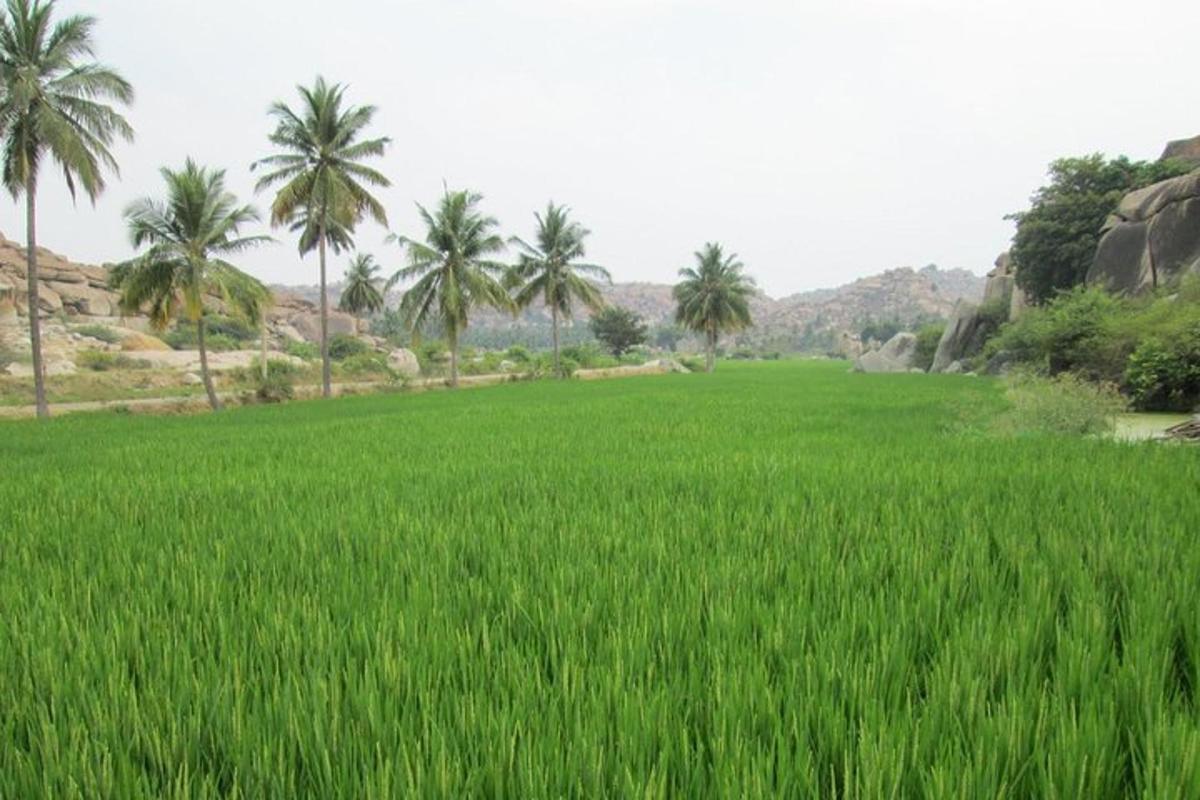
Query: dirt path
column 179, row 405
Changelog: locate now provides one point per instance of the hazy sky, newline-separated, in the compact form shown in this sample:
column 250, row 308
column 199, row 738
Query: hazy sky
column 821, row 141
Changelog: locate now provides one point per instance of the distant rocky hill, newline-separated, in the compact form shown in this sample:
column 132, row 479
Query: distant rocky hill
column 811, row 320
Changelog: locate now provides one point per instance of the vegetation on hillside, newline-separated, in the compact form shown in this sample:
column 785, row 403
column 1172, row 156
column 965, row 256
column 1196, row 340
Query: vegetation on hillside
column 1057, row 236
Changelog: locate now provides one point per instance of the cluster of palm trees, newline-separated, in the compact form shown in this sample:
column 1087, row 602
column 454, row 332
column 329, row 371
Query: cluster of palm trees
column 57, row 105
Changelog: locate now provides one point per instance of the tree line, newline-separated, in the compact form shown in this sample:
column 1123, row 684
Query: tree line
column 58, row 105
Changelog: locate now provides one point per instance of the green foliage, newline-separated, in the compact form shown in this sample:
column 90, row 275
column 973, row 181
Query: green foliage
column 304, row 350
column 1165, row 375
column 101, row 333
column 1065, row 404
column 518, row 354
column 453, row 271
column 785, row 581
column 102, row 361
column 692, row 363
column 361, row 293
column 1077, row 332
column 343, row 346
column 714, row 297
column 1057, row 237
column 618, row 328
column 365, row 363
column 277, row 387
column 928, row 338
column 881, row 331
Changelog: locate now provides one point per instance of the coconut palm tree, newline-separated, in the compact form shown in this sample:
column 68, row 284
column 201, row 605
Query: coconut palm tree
column 713, row 298
column 361, row 293
column 52, row 107
column 188, row 237
column 550, row 270
column 323, row 184
column 452, row 269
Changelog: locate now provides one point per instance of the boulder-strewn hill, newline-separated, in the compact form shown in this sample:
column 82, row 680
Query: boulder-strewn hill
column 809, row 320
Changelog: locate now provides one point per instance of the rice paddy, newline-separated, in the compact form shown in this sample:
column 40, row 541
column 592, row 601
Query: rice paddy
column 780, row 580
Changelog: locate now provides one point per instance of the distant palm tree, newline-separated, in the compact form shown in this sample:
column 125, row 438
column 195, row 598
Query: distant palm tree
column 452, row 269
column 188, row 237
column 550, row 270
column 322, row 181
column 50, row 106
column 361, row 293
column 714, row 297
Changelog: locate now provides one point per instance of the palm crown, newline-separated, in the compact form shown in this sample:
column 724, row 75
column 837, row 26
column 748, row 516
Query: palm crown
column 189, row 237
column 551, row 269
column 714, row 296
column 361, row 291
column 52, row 103
column 319, row 171
column 453, row 269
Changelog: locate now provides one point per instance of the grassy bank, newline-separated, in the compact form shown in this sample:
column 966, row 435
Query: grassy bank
column 780, row 580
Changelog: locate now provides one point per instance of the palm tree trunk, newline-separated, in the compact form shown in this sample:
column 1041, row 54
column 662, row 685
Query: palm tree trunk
column 554, row 326
column 452, row 333
column 262, row 357
column 711, row 355
column 213, row 400
column 326, row 383
column 35, row 322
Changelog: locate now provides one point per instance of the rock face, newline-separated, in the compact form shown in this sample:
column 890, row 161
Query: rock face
column 895, row 356
column 1183, row 150
column 404, row 362
column 308, row 325
column 971, row 325
column 1153, row 238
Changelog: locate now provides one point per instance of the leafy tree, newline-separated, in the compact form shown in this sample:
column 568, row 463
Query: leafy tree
column 1057, row 237
column 619, row 329
column 550, row 270
column 51, row 106
column 667, row 337
column 361, row 293
column 188, row 238
column 714, row 297
column 323, row 184
column 928, row 338
column 453, row 269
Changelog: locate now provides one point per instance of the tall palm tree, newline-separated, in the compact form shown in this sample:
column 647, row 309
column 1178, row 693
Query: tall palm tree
column 52, row 105
column 453, row 269
column 550, row 270
column 188, row 238
column 323, row 184
column 713, row 298
column 361, row 293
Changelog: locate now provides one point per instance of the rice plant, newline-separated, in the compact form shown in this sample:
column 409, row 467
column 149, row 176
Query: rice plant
column 779, row 580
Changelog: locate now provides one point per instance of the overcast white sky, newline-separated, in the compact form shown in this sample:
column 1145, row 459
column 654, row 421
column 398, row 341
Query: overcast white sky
column 821, row 141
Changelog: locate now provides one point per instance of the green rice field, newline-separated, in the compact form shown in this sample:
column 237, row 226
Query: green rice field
column 781, row 580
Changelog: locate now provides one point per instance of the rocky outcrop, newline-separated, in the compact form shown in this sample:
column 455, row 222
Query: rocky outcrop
column 404, row 362
column 895, row 356
column 1153, row 238
column 971, row 325
column 1186, row 150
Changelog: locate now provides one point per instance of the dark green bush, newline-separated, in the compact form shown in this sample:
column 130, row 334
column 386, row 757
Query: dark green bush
column 343, row 346
column 1077, row 332
column 1165, row 375
column 928, row 338
column 369, row 363
column 277, row 387
column 101, row 361
column 102, row 333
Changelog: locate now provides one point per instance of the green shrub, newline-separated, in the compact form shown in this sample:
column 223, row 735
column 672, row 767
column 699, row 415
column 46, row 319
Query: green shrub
column 1076, row 332
column 221, row 334
column 277, row 387
column 1165, row 375
column 101, row 361
column 304, row 350
column 343, row 346
column 369, row 363
column 101, row 332
column 1064, row 404
column 928, row 338
column 693, row 363
column 518, row 354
